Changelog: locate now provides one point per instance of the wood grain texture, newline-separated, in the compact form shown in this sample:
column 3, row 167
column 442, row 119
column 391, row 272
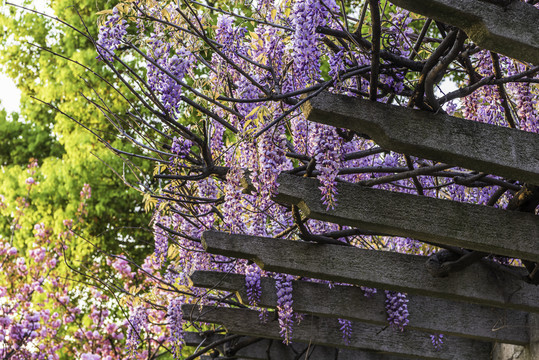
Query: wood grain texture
column 427, row 314
column 501, row 232
column 326, row 332
column 510, row 153
column 510, row 30
column 380, row 269
column 276, row 350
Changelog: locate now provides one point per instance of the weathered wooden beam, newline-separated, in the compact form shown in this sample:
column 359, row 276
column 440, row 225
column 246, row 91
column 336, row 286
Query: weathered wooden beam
column 427, row 314
column 380, row 269
column 510, row 153
column 260, row 349
column 326, row 332
column 504, row 26
column 487, row 229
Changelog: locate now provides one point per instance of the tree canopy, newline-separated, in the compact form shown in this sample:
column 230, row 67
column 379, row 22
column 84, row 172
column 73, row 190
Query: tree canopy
column 34, row 53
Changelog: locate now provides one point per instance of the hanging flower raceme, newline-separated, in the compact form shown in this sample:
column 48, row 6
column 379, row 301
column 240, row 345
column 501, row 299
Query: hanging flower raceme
column 110, row 36
column 397, row 309
column 346, row 328
column 228, row 35
column 252, row 284
column 166, row 71
column 307, row 15
column 175, row 323
column 526, row 104
column 437, row 341
column 326, row 147
column 138, row 321
column 283, row 284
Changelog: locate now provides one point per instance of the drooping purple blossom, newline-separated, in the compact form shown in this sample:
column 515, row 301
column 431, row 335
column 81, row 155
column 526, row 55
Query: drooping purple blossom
column 110, row 36
column 176, row 64
column 138, row 321
column 283, row 283
column 272, row 160
column 337, row 64
column 307, row 15
column 252, row 284
column 397, row 36
column 161, row 238
column 527, row 112
column 229, row 35
column 175, row 325
column 326, row 146
column 397, row 309
column 437, row 341
column 346, row 329
column 181, row 146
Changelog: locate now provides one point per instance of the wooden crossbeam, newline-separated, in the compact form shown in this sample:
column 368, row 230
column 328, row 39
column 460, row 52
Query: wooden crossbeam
column 510, row 153
column 510, row 233
column 326, row 332
column 380, row 269
column 262, row 348
column 348, row 302
column 504, row 26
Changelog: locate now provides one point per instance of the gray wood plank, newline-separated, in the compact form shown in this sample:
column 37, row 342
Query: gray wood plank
column 387, row 270
column 510, row 153
column 326, row 332
column 510, row 30
column 510, row 233
column 427, row 314
column 279, row 351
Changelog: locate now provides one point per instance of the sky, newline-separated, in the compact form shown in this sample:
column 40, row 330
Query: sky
column 10, row 96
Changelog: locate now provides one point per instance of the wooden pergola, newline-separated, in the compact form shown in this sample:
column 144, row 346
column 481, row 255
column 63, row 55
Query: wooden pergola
column 485, row 310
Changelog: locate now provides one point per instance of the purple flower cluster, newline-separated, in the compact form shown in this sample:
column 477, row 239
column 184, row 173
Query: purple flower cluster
column 137, row 322
column 527, row 104
column 397, row 309
column 300, row 131
column 232, row 207
column 437, row 341
column 161, row 238
column 337, row 65
column 181, row 146
column 252, row 284
column 307, row 15
column 228, row 35
column 399, row 33
column 175, row 325
column 486, row 102
column 284, row 305
column 177, row 65
column 346, row 328
column 110, row 36
column 272, row 160
column 326, row 145
column 368, row 292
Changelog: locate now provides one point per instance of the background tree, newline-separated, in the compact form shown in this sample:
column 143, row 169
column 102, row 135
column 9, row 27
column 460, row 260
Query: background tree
column 67, row 154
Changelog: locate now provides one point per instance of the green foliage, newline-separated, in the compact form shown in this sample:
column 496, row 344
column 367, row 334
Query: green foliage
column 20, row 141
column 69, row 156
